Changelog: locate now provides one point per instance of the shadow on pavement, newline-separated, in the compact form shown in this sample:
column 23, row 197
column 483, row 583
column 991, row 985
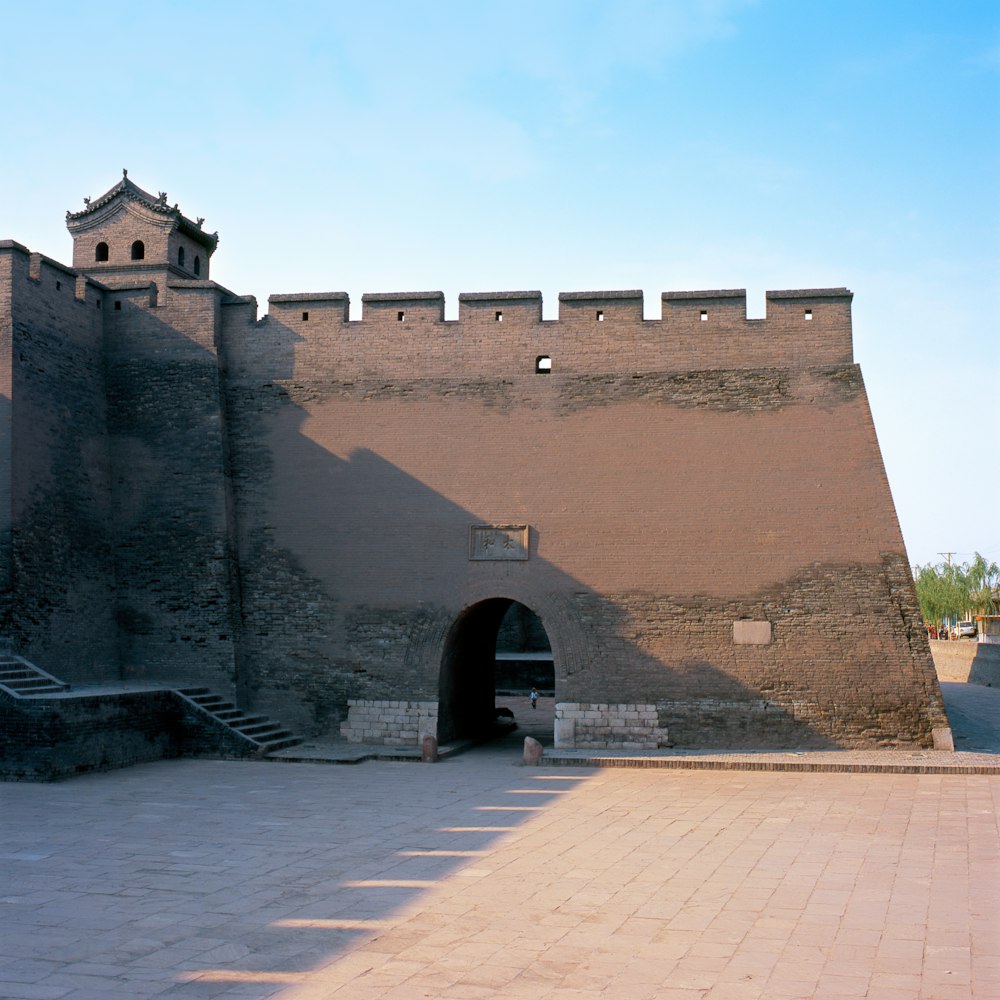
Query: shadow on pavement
column 974, row 714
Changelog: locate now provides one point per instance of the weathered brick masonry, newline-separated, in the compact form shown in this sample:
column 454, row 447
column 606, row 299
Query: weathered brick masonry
column 306, row 510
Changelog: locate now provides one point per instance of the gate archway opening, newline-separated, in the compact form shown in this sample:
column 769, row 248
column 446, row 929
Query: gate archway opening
column 496, row 647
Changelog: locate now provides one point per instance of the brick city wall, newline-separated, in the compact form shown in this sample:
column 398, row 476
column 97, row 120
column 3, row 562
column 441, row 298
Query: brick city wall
column 283, row 509
column 664, row 504
column 61, row 609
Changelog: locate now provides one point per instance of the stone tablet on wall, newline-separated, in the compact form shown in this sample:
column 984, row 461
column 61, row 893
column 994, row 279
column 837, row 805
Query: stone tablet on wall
column 494, row 542
column 748, row 633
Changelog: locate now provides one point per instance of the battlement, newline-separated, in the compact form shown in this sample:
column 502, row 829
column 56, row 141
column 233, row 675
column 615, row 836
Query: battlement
column 496, row 334
column 51, row 276
column 503, row 333
column 725, row 305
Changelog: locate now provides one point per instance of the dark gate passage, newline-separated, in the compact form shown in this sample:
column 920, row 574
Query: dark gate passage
column 523, row 654
column 497, row 645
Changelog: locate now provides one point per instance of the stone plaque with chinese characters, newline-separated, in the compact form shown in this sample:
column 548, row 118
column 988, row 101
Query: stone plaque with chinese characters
column 492, row 542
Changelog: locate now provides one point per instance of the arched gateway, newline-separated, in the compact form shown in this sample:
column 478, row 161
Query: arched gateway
column 494, row 631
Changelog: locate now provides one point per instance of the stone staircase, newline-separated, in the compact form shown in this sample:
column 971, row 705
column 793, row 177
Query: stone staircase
column 22, row 679
column 259, row 730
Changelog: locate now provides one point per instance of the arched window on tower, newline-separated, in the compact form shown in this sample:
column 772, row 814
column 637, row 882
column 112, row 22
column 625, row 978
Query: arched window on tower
column 180, row 256
column 138, row 250
column 101, row 251
column 197, row 264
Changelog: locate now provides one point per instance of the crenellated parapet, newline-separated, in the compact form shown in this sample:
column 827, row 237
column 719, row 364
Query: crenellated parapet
column 504, row 333
column 727, row 307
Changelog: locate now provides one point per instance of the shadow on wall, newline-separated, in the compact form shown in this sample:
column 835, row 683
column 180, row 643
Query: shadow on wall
column 176, row 578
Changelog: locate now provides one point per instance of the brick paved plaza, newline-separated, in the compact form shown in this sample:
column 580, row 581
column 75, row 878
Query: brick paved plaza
column 476, row 877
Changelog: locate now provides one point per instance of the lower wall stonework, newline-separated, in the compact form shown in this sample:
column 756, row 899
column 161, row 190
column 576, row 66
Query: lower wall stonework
column 626, row 726
column 389, row 723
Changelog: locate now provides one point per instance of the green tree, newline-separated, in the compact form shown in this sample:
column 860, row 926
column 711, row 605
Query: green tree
column 983, row 581
column 957, row 591
column 939, row 591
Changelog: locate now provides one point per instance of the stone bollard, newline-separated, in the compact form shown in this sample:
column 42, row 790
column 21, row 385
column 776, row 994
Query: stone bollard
column 943, row 739
column 429, row 749
column 532, row 751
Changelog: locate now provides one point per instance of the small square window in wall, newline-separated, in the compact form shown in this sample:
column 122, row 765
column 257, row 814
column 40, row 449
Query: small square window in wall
column 543, row 364
column 118, row 305
column 704, row 315
column 809, row 314
column 58, row 286
column 305, row 317
column 400, row 316
column 600, row 316
column 499, row 316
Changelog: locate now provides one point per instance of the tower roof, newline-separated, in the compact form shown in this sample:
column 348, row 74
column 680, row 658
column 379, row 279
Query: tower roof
column 96, row 210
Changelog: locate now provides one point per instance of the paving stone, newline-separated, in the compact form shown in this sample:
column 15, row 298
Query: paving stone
column 652, row 883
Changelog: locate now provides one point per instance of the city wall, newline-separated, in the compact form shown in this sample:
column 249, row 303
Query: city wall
column 299, row 510
column 676, row 477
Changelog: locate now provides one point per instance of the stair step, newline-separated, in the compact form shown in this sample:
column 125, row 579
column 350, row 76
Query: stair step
column 39, row 689
column 269, row 746
column 250, row 726
column 262, row 729
column 264, row 725
column 267, row 734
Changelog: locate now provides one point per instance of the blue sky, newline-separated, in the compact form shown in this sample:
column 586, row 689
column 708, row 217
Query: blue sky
column 568, row 145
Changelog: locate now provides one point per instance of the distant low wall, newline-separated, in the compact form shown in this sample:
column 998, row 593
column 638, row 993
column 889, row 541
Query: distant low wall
column 967, row 661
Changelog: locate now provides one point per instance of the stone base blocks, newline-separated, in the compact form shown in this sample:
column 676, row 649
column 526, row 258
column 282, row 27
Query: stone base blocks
column 389, row 723
column 625, row 726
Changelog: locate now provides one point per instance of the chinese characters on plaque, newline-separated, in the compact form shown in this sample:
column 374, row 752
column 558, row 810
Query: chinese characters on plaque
column 493, row 542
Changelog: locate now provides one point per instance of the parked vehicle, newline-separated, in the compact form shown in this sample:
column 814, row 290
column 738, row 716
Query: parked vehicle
column 963, row 630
